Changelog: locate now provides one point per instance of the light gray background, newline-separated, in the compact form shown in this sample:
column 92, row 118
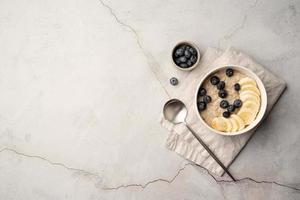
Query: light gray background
column 82, row 84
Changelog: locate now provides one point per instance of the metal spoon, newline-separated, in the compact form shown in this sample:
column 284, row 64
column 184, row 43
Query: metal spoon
column 176, row 112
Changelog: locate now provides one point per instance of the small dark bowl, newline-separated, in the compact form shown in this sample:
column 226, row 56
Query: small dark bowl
column 191, row 45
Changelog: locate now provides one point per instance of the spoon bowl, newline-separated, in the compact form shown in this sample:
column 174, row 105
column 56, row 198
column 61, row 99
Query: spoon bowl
column 175, row 111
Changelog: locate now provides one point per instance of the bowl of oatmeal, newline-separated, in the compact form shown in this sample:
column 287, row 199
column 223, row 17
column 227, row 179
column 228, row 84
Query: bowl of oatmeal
column 231, row 100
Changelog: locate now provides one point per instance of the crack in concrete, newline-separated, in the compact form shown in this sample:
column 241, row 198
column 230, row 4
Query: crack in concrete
column 143, row 186
column 248, row 179
column 238, row 28
column 154, row 66
column 234, row 32
column 259, row 182
column 52, row 163
column 254, row 5
column 219, row 182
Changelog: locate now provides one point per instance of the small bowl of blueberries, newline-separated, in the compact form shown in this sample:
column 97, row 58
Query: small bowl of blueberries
column 185, row 55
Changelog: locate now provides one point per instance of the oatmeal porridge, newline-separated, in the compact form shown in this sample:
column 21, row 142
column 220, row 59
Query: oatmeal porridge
column 228, row 100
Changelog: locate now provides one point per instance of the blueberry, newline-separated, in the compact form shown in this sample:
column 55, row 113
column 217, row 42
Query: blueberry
column 189, row 63
column 187, row 47
column 202, row 91
column 187, row 53
column 177, row 61
column 237, row 103
column 201, row 106
column 183, row 65
column 182, row 59
column 222, row 94
column 237, row 87
column 214, row 80
column 207, row 99
column 229, row 72
column 224, row 104
column 231, row 108
column 221, row 85
column 179, row 52
column 183, row 47
column 174, row 81
column 226, row 114
column 193, row 51
column 193, row 59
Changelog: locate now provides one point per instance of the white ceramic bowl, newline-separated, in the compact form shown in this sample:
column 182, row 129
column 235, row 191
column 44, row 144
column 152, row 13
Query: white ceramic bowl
column 263, row 94
column 198, row 54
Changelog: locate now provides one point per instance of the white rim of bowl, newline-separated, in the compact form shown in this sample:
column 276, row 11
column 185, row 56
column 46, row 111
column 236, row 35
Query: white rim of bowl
column 198, row 53
column 263, row 104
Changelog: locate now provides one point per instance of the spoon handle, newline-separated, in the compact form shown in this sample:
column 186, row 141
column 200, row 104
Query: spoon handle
column 209, row 151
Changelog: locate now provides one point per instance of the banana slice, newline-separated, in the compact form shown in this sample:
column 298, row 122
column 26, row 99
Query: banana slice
column 240, row 122
column 251, row 98
column 216, row 124
column 234, row 123
column 252, row 105
column 247, row 92
column 228, row 124
column 247, row 115
column 250, row 87
column 221, row 124
column 246, row 81
column 249, row 95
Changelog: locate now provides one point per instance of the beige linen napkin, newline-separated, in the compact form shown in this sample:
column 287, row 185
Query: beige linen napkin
column 226, row 148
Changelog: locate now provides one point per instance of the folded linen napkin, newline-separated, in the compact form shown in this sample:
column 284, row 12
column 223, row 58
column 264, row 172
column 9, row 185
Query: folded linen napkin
column 226, row 148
